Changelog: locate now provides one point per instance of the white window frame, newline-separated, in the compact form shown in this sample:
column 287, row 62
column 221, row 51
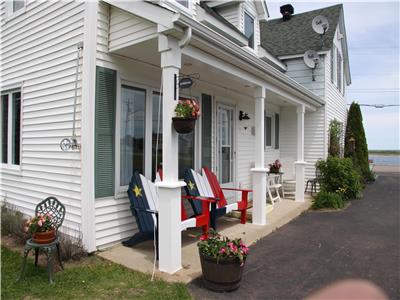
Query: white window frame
column 245, row 11
column 10, row 13
column 176, row 5
column 9, row 165
column 271, row 114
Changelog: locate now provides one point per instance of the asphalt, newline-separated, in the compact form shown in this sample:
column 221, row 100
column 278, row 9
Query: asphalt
column 318, row 248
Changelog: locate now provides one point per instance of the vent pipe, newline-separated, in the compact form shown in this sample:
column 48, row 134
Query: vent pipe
column 286, row 11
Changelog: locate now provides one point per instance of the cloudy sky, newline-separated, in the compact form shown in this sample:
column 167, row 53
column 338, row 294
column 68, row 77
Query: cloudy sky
column 373, row 37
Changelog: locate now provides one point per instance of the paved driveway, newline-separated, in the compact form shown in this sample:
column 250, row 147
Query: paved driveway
column 318, row 248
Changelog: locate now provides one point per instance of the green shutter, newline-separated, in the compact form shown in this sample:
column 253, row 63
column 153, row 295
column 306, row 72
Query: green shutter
column 206, row 130
column 106, row 83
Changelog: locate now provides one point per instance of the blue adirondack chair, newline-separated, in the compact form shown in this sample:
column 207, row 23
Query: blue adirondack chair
column 143, row 196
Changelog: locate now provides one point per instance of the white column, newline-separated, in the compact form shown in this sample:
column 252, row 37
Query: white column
column 169, row 190
column 300, row 163
column 259, row 171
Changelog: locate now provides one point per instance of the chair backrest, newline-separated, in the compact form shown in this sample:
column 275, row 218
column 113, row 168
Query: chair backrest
column 54, row 208
column 143, row 195
column 215, row 186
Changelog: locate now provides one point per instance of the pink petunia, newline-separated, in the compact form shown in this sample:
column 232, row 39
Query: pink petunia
column 202, row 238
column 222, row 250
column 40, row 223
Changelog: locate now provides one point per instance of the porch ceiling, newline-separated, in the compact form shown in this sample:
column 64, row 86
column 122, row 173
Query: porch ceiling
column 147, row 52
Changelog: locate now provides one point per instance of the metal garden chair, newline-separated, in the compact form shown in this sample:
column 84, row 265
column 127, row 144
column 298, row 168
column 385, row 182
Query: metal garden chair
column 313, row 182
column 56, row 210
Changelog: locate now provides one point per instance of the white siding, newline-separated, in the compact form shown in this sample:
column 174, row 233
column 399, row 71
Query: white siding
column 231, row 13
column 127, row 29
column 39, row 48
column 314, row 122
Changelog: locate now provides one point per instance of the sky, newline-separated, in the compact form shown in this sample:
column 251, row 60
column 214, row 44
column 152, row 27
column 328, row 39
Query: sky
column 373, row 36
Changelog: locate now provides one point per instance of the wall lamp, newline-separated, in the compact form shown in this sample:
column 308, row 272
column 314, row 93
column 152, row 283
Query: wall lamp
column 243, row 116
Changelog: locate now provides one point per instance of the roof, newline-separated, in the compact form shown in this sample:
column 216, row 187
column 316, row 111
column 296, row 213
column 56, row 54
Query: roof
column 215, row 14
column 296, row 35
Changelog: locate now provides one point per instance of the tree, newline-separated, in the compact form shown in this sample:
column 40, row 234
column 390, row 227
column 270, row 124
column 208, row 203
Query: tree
column 355, row 146
column 335, row 133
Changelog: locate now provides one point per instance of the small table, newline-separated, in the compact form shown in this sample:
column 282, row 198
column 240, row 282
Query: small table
column 48, row 249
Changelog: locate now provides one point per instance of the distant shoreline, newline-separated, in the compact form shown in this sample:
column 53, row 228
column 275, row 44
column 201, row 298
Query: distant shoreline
column 384, row 152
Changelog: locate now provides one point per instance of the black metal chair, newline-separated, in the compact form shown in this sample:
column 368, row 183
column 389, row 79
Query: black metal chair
column 56, row 210
column 313, row 182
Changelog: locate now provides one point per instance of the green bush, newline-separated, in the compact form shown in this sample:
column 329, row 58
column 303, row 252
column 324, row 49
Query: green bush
column 339, row 176
column 327, row 200
column 355, row 146
column 335, row 134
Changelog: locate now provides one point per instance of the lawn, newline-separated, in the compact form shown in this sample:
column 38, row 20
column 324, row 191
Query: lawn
column 92, row 278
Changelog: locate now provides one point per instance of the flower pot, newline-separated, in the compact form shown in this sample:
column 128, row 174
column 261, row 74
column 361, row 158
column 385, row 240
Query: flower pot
column 224, row 276
column 183, row 125
column 44, row 237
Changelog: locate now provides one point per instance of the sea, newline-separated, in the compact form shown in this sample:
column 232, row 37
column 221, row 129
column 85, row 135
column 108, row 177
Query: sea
column 385, row 160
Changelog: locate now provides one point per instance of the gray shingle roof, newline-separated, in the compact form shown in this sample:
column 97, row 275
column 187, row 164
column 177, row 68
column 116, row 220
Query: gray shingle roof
column 296, row 35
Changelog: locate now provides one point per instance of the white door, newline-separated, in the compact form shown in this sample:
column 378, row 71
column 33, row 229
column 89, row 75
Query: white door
column 225, row 145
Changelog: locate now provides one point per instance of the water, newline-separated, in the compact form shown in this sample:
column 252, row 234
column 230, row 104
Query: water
column 385, row 160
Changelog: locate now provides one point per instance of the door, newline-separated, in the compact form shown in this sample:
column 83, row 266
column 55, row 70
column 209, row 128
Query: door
column 225, row 145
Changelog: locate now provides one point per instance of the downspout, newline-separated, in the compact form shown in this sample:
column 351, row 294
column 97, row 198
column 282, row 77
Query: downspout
column 185, row 40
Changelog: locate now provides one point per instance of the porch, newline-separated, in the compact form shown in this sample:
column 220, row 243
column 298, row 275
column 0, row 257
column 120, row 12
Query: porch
column 141, row 258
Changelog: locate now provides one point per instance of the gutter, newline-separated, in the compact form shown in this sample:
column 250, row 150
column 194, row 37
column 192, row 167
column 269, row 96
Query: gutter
column 249, row 58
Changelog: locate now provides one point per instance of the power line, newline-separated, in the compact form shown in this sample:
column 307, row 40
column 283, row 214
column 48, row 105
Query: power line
column 377, row 105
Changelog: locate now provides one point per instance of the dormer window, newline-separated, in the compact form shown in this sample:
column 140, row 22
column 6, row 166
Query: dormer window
column 184, row 3
column 249, row 29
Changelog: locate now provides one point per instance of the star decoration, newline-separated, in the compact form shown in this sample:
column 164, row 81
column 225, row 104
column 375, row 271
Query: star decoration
column 191, row 185
column 138, row 191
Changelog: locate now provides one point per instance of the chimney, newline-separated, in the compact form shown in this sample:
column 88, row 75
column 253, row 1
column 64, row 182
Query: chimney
column 286, row 11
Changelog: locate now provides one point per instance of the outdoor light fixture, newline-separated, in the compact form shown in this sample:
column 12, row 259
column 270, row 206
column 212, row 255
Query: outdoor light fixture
column 243, row 116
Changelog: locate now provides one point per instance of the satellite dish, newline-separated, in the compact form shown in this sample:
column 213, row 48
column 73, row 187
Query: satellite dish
column 311, row 59
column 320, row 24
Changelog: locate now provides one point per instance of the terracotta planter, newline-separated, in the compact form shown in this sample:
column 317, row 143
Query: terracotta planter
column 224, row 276
column 44, row 237
column 183, row 125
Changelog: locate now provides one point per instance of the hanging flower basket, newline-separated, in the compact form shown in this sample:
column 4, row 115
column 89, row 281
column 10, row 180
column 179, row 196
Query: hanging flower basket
column 184, row 125
column 187, row 111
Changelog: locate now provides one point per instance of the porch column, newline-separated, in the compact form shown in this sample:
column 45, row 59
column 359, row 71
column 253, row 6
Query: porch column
column 259, row 171
column 300, row 163
column 169, row 190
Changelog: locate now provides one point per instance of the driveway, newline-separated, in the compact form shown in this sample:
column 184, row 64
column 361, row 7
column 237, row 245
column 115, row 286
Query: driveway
column 318, row 248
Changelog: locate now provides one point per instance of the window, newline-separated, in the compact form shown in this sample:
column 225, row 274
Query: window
column 17, row 5
column 268, row 131
column 276, row 131
column 184, row 3
column 10, row 127
column 339, row 71
column 132, row 129
column 249, row 29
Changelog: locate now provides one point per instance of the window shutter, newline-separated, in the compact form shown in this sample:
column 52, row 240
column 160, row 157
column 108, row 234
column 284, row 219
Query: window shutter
column 332, row 63
column 106, row 83
column 276, row 131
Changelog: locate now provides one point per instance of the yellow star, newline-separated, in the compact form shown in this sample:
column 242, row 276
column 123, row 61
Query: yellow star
column 191, row 185
column 138, row 191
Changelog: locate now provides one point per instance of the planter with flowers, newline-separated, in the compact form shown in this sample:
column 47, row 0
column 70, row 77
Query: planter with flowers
column 275, row 167
column 222, row 262
column 187, row 111
column 41, row 229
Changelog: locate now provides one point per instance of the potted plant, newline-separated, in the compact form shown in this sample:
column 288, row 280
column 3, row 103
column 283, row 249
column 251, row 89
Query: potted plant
column 41, row 228
column 222, row 262
column 187, row 111
column 275, row 167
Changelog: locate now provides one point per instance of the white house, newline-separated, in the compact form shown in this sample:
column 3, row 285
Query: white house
column 97, row 68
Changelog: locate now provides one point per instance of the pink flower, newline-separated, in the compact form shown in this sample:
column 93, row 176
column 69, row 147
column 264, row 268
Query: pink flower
column 222, row 250
column 40, row 223
column 202, row 238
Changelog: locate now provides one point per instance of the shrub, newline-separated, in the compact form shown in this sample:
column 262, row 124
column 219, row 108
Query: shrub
column 339, row 176
column 12, row 223
column 327, row 200
column 355, row 146
column 335, row 133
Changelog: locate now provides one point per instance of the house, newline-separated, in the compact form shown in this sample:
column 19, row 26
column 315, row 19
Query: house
column 91, row 73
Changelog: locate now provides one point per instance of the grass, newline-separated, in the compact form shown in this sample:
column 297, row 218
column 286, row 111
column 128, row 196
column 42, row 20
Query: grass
column 384, row 152
column 92, row 278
